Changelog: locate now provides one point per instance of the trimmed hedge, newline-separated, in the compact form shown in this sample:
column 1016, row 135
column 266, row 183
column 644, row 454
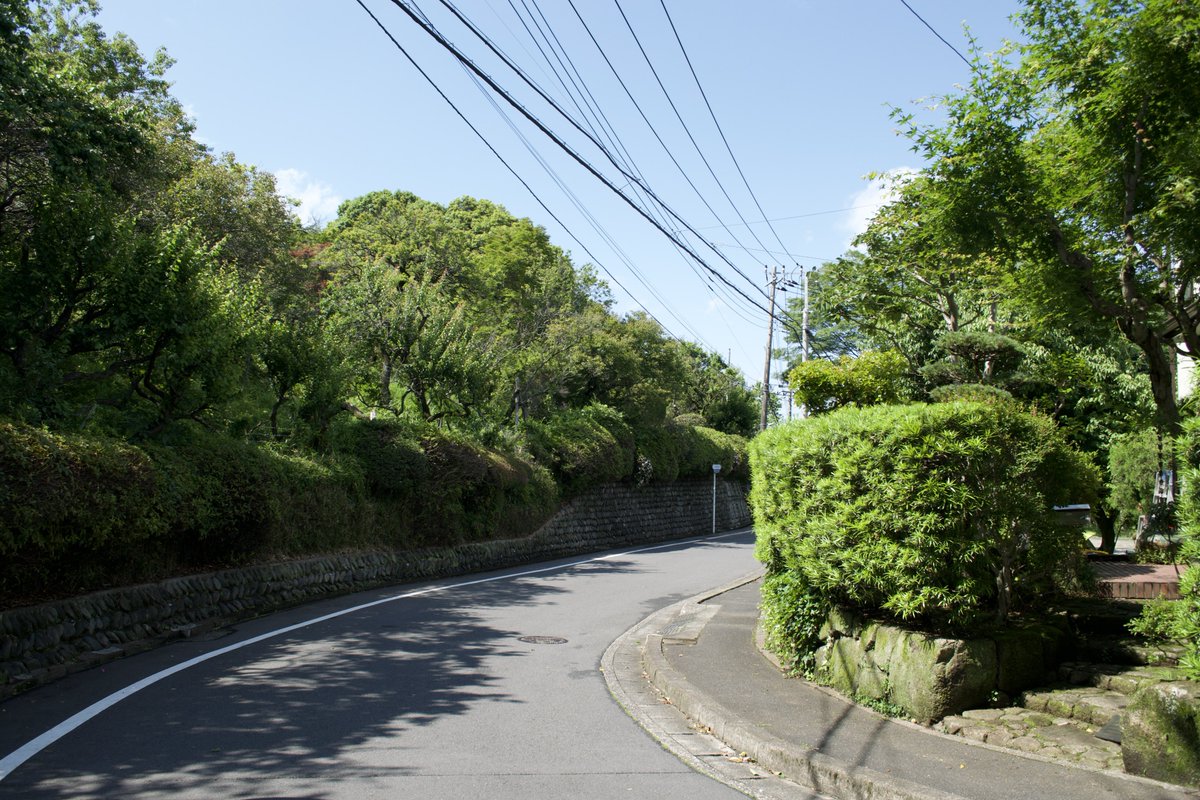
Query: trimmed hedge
column 582, row 447
column 586, row 447
column 79, row 512
column 938, row 515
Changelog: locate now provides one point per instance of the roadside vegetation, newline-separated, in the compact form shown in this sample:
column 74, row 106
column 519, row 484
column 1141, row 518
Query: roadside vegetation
column 1037, row 277
column 190, row 378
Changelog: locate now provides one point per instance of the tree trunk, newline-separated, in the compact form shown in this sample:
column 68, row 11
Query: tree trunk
column 385, row 383
column 1106, row 523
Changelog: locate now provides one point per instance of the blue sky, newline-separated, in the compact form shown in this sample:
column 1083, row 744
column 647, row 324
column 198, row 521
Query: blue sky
column 316, row 93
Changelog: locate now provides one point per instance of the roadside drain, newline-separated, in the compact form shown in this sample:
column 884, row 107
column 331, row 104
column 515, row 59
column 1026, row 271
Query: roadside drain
column 542, row 639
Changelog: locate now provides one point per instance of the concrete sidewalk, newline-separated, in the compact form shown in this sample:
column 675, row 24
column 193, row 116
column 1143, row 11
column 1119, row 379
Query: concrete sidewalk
column 749, row 725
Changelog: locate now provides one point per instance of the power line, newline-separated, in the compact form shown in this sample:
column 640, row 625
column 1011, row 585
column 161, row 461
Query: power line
column 621, row 81
column 686, row 129
column 721, row 131
column 463, row 59
column 965, row 60
column 536, row 197
column 800, row 216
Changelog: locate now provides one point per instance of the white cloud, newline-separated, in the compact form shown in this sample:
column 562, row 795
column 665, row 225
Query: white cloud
column 318, row 203
column 872, row 197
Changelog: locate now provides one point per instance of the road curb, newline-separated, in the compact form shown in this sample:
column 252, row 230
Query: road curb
column 682, row 623
column 807, row 769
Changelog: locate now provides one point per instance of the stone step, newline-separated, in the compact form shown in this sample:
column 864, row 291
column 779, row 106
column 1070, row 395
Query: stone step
column 1038, row 733
column 1104, row 616
column 1090, row 705
column 1120, row 678
column 1125, row 649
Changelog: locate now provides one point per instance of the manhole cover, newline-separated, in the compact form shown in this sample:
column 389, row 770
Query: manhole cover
column 542, row 639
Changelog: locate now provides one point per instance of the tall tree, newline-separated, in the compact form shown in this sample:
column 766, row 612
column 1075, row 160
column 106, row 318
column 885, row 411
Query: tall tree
column 1080, row 162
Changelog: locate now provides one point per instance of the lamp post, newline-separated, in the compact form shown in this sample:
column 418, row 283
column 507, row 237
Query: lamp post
column 716, row 469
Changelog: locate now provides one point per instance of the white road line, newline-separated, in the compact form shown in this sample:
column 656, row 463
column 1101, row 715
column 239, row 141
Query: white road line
column 27, row 751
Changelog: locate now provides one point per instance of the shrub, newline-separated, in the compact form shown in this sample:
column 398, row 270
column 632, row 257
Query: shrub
column 473, row 493
column 582, row 447
column 59, row 492
column 1179, row 621
column 700, row 448
column 935, row 514
column 390, row 454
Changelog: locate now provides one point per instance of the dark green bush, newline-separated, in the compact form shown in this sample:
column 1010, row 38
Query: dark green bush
column 58, row 492
column 1178, row 621
column 658, row 450
column 939, row 515
column 78, row 513
column 700, row 448
column 582, row 447
column 473, row 493
column 390, row 455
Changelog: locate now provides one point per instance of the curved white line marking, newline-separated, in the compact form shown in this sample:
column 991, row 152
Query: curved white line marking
column 27, row 751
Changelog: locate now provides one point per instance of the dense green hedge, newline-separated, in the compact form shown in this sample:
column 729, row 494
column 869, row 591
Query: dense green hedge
column 582, row 447
column 938, row 515
column 79, row 512
column 589, row 446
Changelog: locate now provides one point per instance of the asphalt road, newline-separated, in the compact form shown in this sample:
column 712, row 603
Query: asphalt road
column 429, row 691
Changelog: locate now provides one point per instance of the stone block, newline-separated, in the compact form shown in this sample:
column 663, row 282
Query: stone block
column 1160, row 733
column 1020, row 660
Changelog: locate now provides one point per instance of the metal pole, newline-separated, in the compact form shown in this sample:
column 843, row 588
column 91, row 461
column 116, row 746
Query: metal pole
column 766, row 384
column 714, row 502
column 804, row 339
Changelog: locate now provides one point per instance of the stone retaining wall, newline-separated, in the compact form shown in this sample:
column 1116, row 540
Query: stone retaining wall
column 42, row 643
column 930, row 677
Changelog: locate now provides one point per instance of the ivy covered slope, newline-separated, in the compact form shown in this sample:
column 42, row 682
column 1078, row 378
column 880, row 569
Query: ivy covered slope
column 190, row 378
column 939, row 516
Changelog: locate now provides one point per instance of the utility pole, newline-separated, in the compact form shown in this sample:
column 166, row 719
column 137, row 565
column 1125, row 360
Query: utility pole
column 766, row 382
column 803, row 338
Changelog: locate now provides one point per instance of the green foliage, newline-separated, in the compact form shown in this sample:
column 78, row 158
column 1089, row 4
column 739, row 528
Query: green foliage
column 1133, row 461
column 59, row 492
column 161, row 310
column 701, row 447
column 969, row 393
column 583, row 447
column 1076, row 166
column 871, row 378
column 1178, row 621
column 936, row 514
column 793, row 613
column 974, row 357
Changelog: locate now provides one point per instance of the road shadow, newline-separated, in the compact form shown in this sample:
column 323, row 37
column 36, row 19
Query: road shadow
column 303, row 706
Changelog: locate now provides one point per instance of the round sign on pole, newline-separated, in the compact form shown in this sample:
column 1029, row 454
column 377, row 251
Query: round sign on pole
column 716, row 467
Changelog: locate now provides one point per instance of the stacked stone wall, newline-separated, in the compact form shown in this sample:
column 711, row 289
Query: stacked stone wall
column 42, row 643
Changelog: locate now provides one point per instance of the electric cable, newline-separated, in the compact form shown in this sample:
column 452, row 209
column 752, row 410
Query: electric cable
column 494, row 152
column 965, row 60
column 654, row 130
column 458, row 54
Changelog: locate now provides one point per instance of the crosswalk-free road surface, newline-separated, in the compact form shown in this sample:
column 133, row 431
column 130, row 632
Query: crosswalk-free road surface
column 482, row 687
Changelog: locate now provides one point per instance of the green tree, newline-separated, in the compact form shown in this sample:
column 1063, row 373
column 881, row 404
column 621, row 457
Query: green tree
column 407, row 332
column 1079, row 162
column 872, row 378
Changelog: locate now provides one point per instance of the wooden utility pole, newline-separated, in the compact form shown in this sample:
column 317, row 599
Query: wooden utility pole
column 766, row 382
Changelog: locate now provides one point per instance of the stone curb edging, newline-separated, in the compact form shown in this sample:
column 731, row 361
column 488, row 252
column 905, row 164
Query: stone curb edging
column 41, row 644
column 810, row 768
column 622, row 668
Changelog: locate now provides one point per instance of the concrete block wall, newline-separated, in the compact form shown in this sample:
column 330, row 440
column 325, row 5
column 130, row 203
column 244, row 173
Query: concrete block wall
column 41, row 643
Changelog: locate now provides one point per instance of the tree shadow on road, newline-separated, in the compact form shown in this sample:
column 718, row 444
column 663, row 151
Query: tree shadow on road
column 323, row 705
